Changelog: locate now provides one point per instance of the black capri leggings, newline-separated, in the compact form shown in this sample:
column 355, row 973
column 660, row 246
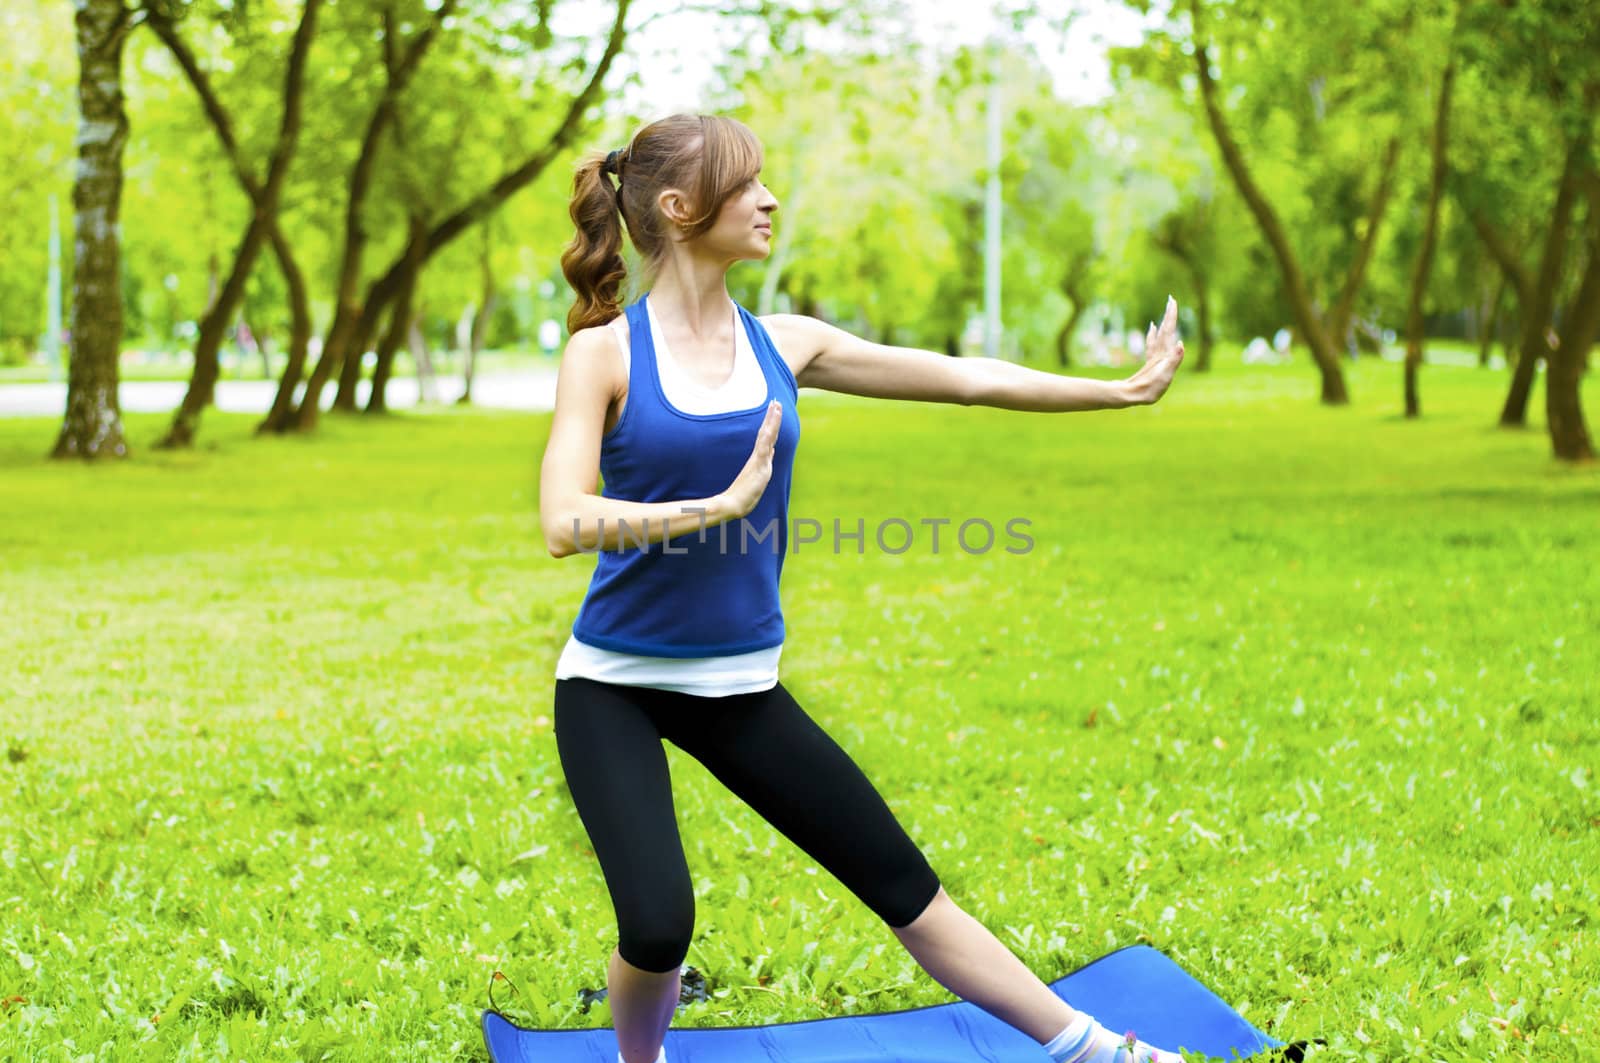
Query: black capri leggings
column 761, row 746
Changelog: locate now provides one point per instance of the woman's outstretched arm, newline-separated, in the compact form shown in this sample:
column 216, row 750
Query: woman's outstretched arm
column 835, row 360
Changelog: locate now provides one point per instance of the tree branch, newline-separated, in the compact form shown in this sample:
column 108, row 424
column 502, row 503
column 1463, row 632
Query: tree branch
column 1499, row 249
column 168, row 33
column 530, row 169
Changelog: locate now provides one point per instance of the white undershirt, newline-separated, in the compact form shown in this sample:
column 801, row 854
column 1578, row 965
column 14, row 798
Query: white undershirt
column 738, row 673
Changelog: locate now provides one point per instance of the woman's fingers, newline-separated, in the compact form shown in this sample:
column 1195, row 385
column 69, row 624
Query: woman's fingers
column 769, row 426
column 767, row 436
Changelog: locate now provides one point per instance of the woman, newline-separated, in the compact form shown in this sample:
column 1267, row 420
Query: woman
column 686, row 404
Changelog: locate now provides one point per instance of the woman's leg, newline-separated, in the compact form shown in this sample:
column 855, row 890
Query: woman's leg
column 964, row 957
column 616, row 768
column 642, row 1006
column 768, row 751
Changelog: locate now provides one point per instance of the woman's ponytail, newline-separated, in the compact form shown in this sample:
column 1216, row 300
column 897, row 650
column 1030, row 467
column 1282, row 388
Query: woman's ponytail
column 708, row 158
column 593, row 262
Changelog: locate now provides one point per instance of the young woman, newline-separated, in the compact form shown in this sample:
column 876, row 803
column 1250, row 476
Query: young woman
column 685, row 402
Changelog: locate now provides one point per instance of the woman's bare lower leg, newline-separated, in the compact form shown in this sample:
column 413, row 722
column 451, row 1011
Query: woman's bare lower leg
column 642, row 1005
column 964, row 957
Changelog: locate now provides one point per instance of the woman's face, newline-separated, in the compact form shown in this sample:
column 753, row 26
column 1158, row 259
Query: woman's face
column 743, row 229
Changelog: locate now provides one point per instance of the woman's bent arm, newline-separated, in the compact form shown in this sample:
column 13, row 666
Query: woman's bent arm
column 573, row 514
column 589, row 523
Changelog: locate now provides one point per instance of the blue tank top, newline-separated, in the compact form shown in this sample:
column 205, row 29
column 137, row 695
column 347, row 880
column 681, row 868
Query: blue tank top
column 708, row 592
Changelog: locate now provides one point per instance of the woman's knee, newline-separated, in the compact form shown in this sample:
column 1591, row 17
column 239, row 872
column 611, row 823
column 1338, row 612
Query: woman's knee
column 911, row 899
column 657, row 939
column 656, row 952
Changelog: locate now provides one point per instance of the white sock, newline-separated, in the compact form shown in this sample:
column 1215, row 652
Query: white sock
column 661, row 1058
column 1086, row 1041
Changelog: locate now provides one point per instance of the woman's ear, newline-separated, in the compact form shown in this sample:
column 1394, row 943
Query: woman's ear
column 673, row 206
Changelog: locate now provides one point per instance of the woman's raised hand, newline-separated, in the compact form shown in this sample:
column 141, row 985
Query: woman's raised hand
column 1163, row 351
column 751, row 483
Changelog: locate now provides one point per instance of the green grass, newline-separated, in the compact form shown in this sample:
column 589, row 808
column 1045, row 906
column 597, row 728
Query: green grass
column 1305, row 697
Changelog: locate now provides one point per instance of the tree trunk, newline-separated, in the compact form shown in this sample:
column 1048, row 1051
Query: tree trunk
column 92, row 425
column 417, row 344
column 350, row 365
column 1492, row 328
column 1072, row 286
column 1173, row 242
column 1068, row 330
column 280, row 418
column 1323, row 353
column 384, row 289
column 1569, row 435
column 261, row 344
column 1430, row 239
column 264, row 196
column 1537, row 312
column 378, row 401
column 212, row 269
column 338, row 350
column 480, row 326
column 399, row 319
column 1202, row 306
column 213, row 328
column 1344, row 308
column 1513, row 275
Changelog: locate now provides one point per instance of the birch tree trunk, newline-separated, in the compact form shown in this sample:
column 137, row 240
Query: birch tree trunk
column 92, row 426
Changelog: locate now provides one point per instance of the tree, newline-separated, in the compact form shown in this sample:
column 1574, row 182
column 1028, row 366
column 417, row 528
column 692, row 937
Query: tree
column 1169, row 197
column 1051, row 229
column 1303, row 92
column 864, row 171
column 36, row 82
column 1310, row 324
column 92, row 427
column 346, row 338
column 1536, row 76
column 1569, row 435
column 263, row 194
column 1424, row 262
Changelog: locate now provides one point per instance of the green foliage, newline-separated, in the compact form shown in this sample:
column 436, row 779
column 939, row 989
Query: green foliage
column 859, row 166
column 37, row 66
column 279, row 781
column 875, row 148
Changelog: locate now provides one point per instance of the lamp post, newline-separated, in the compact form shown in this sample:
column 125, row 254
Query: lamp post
column 52, row 336
column 991, row 217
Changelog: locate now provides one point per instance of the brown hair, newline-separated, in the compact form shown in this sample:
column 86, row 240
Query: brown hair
column 707, row 157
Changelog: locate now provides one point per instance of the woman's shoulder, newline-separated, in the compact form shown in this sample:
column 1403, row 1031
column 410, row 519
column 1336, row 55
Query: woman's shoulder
column 797, row 337
column 597, row 348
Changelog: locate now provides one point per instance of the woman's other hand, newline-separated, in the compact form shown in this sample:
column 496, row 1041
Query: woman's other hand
column 751, row 483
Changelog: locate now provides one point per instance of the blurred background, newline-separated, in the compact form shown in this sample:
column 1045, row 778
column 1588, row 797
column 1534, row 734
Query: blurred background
column 1411, row 180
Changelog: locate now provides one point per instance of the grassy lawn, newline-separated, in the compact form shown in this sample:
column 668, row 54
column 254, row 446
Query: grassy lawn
column 1304, row 697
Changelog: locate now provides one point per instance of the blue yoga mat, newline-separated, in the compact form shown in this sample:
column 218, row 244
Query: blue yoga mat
column 1135, row 988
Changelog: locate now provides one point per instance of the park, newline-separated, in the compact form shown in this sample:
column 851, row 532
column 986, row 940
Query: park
column 1289, row 678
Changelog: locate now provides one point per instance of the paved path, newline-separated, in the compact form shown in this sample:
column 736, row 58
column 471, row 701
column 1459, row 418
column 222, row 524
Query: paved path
column 528, row 390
